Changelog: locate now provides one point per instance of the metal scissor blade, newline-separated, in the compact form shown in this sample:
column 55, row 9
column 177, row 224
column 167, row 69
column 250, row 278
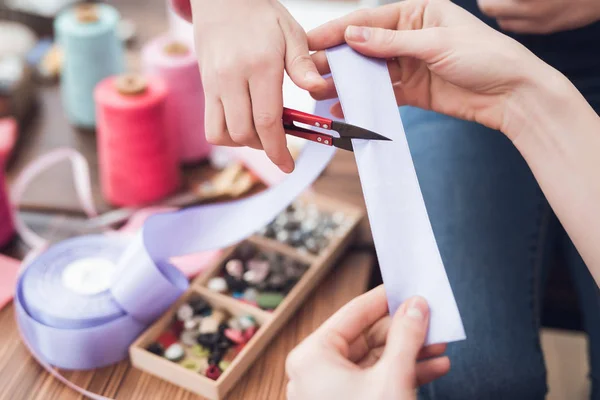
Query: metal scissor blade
column 355, row 132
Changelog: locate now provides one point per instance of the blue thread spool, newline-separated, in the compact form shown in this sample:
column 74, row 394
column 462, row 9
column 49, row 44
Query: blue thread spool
column 92, row 50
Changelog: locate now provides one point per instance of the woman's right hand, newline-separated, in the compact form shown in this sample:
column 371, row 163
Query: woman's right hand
column 444, row 59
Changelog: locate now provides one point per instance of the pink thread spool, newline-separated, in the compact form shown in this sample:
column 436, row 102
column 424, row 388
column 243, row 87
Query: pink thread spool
column 175, row 61
column 136, row 150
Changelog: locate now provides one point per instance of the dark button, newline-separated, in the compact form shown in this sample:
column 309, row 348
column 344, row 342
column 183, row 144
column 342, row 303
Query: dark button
column 156, row 348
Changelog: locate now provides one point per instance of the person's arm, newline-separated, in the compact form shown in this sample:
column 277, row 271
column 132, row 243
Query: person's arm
column 243, row 47
column 446, row 60
column 541, row 16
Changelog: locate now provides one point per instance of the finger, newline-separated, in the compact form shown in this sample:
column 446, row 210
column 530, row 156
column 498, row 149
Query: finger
column 407, row 334
column 435, row 350
column 373, row 337
column 332, row 33
column 430, row 370
column 523, row 25
column 267, row 107
column 507, row 8
column 238, row 116
column 298, row 62
column 347, row 324
column 327, row 92
column 336, row 110
column 214, row 124
column 424, row 44
column 320, row 60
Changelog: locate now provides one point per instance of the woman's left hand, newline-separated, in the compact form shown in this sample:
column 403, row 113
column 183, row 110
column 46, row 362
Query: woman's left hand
column 362, row 353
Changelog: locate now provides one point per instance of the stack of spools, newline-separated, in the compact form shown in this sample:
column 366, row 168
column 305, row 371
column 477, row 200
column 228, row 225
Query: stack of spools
column 175, row 61
column 138, row 164
column 87, row 33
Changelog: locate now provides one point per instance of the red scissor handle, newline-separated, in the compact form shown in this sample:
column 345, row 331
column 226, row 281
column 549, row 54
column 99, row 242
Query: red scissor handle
column 290, row 116
column 312, row 136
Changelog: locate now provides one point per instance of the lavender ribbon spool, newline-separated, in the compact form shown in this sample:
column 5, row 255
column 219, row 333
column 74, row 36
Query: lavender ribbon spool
column 76, row 315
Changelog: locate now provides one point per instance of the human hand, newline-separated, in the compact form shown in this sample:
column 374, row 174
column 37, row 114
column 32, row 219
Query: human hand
column 444, row 59
column 362, row 353
column 541, row 16
column 243, row 47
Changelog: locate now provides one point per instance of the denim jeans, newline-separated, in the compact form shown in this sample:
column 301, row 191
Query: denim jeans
column 496, row 233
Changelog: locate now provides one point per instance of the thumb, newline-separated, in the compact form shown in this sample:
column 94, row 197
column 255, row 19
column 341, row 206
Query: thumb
column 423, row 44
column 407, row 334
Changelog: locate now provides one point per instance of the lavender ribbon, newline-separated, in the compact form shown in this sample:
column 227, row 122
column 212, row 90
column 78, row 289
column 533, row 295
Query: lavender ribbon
column 73, row 330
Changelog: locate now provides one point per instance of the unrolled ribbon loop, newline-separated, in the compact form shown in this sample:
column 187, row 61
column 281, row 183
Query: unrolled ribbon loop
column 143, row 287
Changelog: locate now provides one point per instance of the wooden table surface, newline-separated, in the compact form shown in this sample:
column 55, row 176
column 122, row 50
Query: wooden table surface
column 51, row 202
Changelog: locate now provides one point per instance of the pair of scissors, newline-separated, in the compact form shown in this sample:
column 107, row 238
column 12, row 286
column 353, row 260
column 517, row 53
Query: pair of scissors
column 347, row 132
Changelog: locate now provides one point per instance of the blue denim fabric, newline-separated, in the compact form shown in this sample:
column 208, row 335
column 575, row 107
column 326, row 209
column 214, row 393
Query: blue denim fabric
column 496, row 232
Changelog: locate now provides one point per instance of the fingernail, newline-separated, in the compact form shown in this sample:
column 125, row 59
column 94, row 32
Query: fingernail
column 417, row 308
column 358, row 33
column 312, row 76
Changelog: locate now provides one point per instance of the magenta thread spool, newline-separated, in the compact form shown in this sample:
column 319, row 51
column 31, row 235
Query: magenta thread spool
column 7, row 226
column 175, row 61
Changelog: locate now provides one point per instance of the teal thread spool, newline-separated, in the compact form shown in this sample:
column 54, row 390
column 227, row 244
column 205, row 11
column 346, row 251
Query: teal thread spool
column 87, row 34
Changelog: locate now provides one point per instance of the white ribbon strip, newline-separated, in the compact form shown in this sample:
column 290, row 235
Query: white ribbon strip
column 408, row 255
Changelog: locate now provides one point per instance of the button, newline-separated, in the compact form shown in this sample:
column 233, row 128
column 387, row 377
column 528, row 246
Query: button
column 209, row 325
column 217, row 284
column 184, row 312
column 250, row 332
column 200, row 307
column 247, row 321
column 235, row 336
column 156, row 348
column 200, row 351
column 250, row 294
column 174, row 352
column 192, row 323
column 166, row 339
column 192, row 365
column 269, row 300
column 223, row 365
column 235, row 268
column 213, row 372
column 188, row 338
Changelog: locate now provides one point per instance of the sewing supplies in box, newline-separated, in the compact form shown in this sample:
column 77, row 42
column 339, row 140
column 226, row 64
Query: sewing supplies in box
column 87, row 35
column 136, row 147
column 175, row 61
column 255, row 287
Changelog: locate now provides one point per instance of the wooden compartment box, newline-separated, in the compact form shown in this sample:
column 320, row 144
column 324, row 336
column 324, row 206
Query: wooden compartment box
column 269, row 321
